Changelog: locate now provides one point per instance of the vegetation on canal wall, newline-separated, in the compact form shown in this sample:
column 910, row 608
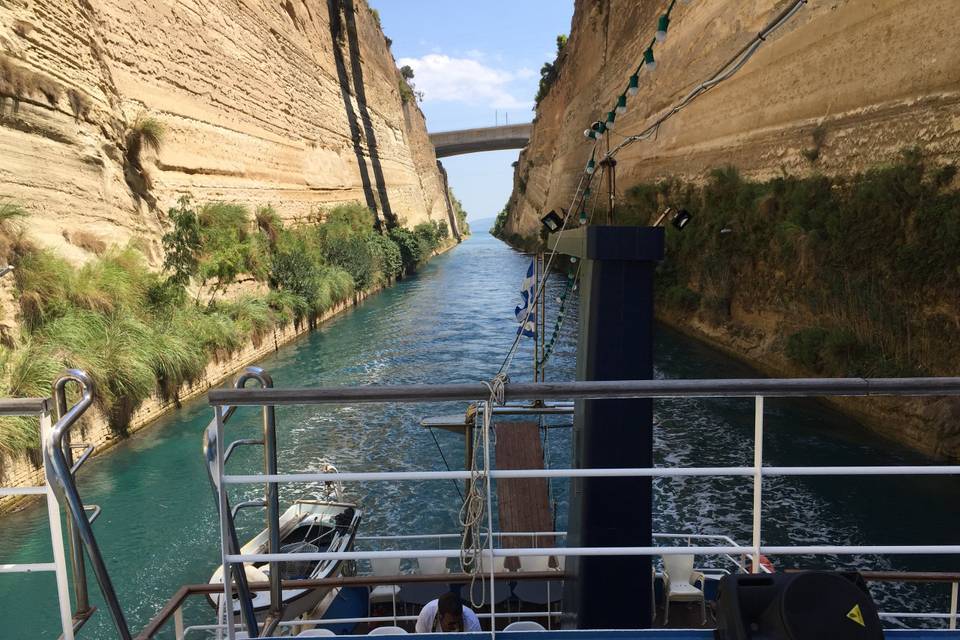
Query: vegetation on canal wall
column 140, row 333
column 843, row 276
column 860, row 271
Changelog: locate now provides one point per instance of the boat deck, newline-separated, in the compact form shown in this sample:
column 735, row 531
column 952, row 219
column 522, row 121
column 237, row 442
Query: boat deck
column 523, row 503
column 656, row 634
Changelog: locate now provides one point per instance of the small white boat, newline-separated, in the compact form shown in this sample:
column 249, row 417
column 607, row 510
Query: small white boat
column 312, row 524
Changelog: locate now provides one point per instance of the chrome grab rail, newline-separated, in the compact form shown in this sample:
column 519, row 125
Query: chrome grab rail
column 59, row 471
column 216, row 460
column 41, row 408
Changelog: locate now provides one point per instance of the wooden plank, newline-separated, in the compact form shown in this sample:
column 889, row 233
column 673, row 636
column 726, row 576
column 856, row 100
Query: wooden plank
column 523, row 503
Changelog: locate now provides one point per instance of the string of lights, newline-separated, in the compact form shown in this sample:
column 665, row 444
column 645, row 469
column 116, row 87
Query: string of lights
column 596, row 131
column 572, row 278
column 583, row 186
column 726, row 71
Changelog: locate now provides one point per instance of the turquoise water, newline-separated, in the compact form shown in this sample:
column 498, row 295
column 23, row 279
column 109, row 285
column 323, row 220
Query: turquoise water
column 453, row 323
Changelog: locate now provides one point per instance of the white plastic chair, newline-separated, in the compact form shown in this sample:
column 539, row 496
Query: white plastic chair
column 432, row 566
column 499, row 564
column 679, row 580
column 524, row 625
column 388, row 631
column 384, row 592
column 315, row 633
column 561, row 562
column 534, row 563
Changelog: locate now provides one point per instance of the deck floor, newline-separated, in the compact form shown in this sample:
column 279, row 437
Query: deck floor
column 523, row 503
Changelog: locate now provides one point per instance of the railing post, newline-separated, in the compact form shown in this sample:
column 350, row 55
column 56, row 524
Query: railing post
column 73, row 535
column 953, row 605
column 757, row 479
column 272, row 499
column 178, row 623
column 56, row 539
column 487, row 422
column 227, row 600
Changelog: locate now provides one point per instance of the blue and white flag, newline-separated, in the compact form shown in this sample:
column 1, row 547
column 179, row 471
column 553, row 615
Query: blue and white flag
column 526, row 313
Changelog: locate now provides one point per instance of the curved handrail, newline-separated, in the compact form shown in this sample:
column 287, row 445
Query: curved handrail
column 213, row 473
column 60, row 478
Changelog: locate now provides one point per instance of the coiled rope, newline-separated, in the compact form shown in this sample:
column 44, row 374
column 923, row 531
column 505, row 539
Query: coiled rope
column 478, row 498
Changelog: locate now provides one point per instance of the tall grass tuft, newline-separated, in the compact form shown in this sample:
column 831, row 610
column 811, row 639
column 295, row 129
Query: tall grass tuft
column 865, row 261
column 137, row 332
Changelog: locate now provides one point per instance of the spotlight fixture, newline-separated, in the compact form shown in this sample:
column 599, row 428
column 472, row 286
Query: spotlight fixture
column 681, row 220
column 552, row 222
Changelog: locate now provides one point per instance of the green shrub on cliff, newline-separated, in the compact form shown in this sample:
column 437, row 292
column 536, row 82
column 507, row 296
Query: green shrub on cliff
column 501, row 221
column 411, row 251
column 460, row 214
column 428, row 233
column 871, row 256
column 549, row 72
column 137, row 332
column 388, row 258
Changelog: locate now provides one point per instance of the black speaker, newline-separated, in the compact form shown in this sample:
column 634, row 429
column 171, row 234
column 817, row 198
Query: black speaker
column 808, row 605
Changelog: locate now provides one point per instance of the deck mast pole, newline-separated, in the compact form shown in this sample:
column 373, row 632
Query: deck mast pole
column 536, row 322
column 615, row 342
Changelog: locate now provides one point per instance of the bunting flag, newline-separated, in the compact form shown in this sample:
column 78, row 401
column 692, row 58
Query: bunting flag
column 528, row 290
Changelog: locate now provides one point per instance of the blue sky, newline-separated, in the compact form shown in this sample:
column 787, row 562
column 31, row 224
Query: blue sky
column 475, row 61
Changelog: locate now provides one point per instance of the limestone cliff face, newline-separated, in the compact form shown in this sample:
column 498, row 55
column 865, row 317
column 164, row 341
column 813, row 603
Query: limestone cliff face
column 867, row 77
column 293, row 103
column 875, row 75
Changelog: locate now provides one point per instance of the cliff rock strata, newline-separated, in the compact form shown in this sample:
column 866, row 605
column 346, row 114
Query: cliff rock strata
column 875, row 75
column 845, row 86
column 293, row 103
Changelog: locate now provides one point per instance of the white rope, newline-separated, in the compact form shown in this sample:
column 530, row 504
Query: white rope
column 478, row 497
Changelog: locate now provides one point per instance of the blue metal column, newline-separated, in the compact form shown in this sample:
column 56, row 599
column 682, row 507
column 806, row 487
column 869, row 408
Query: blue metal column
column 615, row 343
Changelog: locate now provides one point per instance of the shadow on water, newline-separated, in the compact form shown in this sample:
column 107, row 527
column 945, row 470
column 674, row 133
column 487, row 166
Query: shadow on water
column 343, row 28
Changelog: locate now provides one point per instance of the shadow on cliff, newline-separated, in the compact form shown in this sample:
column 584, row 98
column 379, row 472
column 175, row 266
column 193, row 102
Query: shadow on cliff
column 343, row 31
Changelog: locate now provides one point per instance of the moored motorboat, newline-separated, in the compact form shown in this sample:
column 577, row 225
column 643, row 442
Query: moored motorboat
column 312, row 524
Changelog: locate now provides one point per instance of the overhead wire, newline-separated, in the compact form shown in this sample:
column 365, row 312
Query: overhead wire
column 731, row 67
column 726, row 71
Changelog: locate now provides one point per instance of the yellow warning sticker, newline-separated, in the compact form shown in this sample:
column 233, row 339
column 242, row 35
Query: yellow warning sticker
column 855, row 615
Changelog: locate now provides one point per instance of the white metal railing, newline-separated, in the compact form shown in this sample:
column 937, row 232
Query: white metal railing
column 392, row 619
column 757, row 389
column 59, row 565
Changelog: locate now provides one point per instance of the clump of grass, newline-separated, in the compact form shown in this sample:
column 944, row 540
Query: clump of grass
column 137, row 333
column 870, row 256
column 26, row 372
column 269, row 223
column 146, row 134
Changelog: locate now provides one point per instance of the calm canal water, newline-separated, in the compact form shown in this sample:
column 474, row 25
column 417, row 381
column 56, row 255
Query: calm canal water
column 453, row 323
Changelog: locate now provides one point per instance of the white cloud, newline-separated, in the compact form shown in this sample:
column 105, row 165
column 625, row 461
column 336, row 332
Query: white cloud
column 442, row 78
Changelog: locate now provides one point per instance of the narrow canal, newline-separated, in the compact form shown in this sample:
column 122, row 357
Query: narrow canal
column 453, row 323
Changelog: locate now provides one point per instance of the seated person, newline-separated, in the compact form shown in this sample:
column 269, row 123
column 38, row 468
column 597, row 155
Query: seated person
column 447, row 614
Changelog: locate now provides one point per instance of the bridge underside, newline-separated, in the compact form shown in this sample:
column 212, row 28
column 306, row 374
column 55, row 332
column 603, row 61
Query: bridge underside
column 461, row 148
column 453, row 143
